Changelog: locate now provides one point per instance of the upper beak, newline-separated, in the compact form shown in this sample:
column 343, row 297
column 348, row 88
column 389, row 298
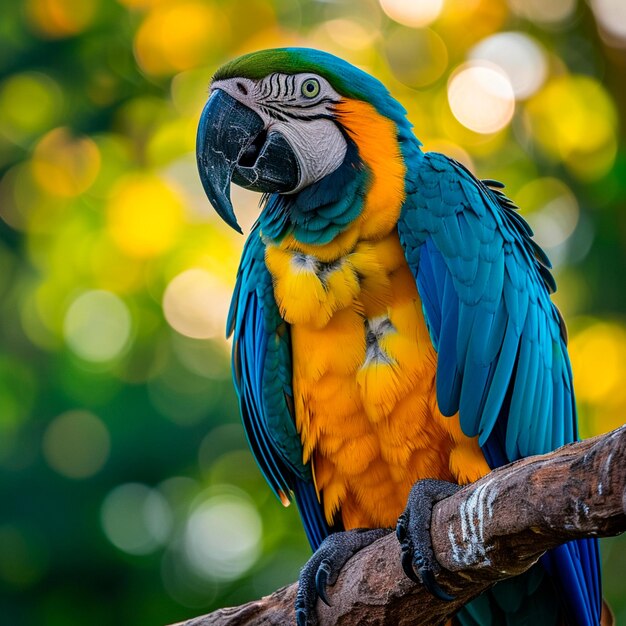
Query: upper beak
column 233, row 144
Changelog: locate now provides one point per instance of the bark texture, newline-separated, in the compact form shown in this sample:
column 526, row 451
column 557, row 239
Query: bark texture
column 493, row 529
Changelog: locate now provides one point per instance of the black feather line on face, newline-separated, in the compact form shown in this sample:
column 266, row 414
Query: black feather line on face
column 324, row 100
column 284, row 115
column 277, row 95
column 274, row 113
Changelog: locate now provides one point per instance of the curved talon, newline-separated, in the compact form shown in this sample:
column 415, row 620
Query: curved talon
column 321, row 580
column 301, row 617
column 324, row 566
column 413, row 531
column 428, row 580
column 407, row 566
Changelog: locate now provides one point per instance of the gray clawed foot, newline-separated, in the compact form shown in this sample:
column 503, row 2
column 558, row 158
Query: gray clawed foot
column 324, row 566
column 413, row 532
column 324, row 574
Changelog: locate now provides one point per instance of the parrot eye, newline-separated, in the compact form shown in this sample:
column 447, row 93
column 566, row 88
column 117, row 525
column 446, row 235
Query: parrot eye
column 310, row 88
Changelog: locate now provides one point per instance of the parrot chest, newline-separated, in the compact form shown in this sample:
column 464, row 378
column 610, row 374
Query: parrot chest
column 364, row 382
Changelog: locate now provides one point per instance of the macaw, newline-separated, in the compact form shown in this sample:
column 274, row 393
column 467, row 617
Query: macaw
column 392, row 323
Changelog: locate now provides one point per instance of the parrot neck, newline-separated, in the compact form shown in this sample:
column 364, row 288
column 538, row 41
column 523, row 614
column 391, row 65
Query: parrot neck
column 318, row 213
column 360, row 201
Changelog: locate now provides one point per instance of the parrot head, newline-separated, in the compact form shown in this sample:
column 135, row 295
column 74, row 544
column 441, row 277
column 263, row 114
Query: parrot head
column 280, row 121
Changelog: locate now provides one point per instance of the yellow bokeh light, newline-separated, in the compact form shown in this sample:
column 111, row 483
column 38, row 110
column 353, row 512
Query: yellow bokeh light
column 597, row 360
column 60, row 18
column 596, row 352
column 178, row 36
column 172, row 140
column 76, row 444
column 464, row 22
column 29, row 103
column 196, row 303
column 64, row 165
column 481, row 97
column 412, row 13
column 97, row 326
column 574, row 119
column 144, row 215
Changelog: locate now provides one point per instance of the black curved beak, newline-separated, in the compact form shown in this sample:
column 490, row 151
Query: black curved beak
column 233, row 144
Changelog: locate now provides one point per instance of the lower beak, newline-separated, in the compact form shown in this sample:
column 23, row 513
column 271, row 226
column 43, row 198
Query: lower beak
column 233, row 144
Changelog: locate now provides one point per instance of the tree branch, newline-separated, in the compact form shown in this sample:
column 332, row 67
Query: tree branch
column 493, row 529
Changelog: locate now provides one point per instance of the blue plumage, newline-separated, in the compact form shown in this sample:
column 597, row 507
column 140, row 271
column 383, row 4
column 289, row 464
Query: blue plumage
column 262, row 371
column 502, row 361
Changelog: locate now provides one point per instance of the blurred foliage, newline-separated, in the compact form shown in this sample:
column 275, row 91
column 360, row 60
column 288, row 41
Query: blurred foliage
column 127, row 491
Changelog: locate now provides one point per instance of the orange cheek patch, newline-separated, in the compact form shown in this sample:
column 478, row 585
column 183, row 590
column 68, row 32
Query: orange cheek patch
column 376, row 138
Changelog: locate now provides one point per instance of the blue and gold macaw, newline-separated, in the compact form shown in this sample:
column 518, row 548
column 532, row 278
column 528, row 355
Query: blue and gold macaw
column 392, row 322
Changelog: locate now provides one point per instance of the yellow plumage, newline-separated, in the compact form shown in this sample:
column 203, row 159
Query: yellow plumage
column 371, row 429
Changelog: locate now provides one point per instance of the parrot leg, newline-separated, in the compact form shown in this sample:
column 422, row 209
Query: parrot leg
column 324, row 566
column 413, row 532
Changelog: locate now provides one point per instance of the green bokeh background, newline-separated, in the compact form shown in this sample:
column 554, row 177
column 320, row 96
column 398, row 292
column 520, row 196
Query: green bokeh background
column 127, row 492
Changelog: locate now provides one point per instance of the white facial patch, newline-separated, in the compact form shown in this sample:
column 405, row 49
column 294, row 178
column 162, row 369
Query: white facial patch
column 284, row 103
column 319, row 146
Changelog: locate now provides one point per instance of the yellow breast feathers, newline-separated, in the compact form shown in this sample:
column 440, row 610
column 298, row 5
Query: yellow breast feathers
column 364, row 381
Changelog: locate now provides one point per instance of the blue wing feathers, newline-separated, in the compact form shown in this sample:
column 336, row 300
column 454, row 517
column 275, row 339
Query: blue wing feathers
column 431, row 285
column 494, row 340
column 311, row 513
column 262, row 372
column 502, row 361
column 255, row 426
column 495, row 402
column 546, row 407
column 567, row 563
column 473, row 395
column 493, row 293
column 448, row 377
column 467, row 318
